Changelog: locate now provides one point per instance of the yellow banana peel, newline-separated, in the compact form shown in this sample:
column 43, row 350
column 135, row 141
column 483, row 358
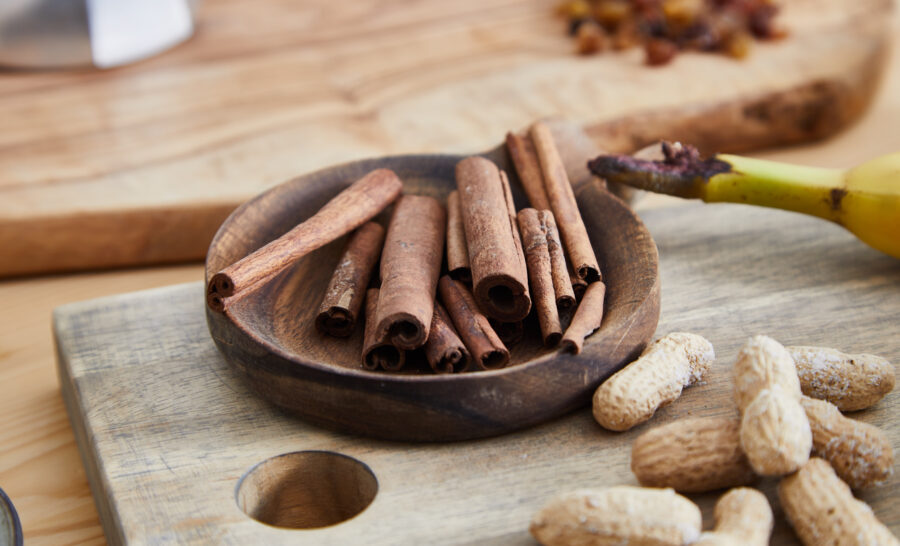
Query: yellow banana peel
column 864, row 199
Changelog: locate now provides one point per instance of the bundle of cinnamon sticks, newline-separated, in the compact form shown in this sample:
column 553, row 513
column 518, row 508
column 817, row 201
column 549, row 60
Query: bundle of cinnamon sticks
column 501, row 264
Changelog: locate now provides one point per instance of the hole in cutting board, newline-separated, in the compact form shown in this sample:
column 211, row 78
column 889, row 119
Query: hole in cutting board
column 306, row 489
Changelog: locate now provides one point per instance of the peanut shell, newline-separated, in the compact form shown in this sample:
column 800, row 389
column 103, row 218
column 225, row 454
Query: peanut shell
column 763, row 362
column 823, row 511
column 850, row 382
column 617, row 515
column 859, row 453
column 692, row 455
column 634, row 393
column 743, row 517
column 775, row 433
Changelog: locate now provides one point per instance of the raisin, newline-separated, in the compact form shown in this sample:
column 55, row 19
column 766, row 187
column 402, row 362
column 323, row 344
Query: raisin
column 591, row 38
column 660, row 51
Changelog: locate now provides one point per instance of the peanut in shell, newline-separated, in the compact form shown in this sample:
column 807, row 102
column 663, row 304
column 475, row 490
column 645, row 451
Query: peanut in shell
column 692, row 455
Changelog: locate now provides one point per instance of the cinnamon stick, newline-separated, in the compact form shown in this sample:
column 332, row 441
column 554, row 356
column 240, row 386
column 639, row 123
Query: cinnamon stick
column 486, row 349
column 378, row 352
column 457, row 252
column 587, row 318
column 579, row 285
column 351, row 208
column 347, row 288
column 444, row 351
column 499, row 276
column 537, row 256
column 410, row 266
column 564, row 207
column 513, row 222
column 562, row 283
column 523, row 156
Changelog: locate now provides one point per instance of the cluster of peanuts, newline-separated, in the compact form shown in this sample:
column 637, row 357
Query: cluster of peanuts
column 790, row 427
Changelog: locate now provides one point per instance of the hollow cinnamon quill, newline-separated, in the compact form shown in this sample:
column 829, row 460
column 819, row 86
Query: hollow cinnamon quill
column 579, row 285
column 485, row 348
column 378, row 352
column 499, row 277
column 537, row 256
column 565, row 208
column 410, row 266
column 445, row 352
column 347, row 289
column 351, row 208
column 587, row 318
column 457, row 252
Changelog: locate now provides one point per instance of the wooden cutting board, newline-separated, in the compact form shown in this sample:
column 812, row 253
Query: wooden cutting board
column 166, row 430
column 142, row 163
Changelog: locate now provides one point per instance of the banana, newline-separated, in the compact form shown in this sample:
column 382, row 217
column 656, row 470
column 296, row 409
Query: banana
column 864, row 199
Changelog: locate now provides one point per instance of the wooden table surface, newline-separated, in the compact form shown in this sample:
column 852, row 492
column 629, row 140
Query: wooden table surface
column 39, row 464
column 140, row 164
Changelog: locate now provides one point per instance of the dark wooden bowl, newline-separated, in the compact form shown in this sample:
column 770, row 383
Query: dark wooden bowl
column 271, row 340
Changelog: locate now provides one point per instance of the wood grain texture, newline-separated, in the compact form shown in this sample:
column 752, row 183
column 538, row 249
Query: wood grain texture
column 358, row 203
column 141, row 163
column 167, row 428
column 270, row 336
column 39, row 463
column 40, row 467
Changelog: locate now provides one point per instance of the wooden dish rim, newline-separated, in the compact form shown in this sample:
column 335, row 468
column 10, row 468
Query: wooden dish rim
column 647, row 246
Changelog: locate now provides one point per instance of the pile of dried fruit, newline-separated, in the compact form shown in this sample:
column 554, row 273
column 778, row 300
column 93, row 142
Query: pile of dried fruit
column 665, row 27
column 790, row 427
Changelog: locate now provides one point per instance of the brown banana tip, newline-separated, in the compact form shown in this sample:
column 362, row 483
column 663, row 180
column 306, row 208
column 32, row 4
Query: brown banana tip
column 681, row 168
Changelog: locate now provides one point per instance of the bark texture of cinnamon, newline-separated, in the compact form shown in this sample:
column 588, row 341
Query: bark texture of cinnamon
column 410, row 267
column 513, row 222
column 587, row 318
column 378, row 352
column 525, row 159
column 499, row 276
column 533, row 227
column 486, row 349
column 351, row 208
column 445, row 352
column 565, row 208
column 457, row 251
column 346, row 291
column 562, row 282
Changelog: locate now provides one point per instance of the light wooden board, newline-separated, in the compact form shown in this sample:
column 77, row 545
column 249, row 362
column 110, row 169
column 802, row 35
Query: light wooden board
column 140, row 164
column 166, row 429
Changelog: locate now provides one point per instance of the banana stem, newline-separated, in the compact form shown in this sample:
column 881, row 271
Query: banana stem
column 809, row 190
column 730, row 178
column 865, row 199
